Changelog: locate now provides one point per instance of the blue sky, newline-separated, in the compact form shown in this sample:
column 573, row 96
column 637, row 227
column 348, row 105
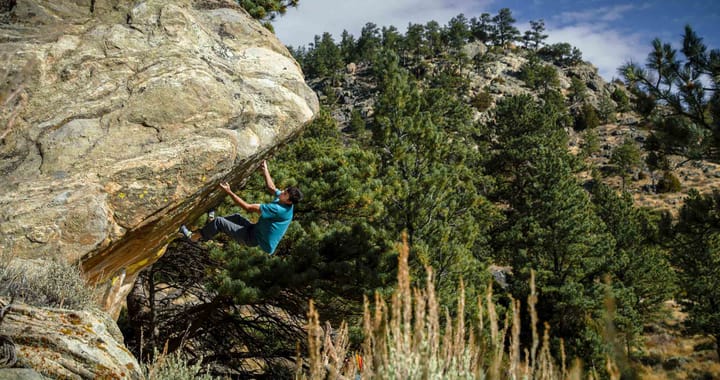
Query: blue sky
column 608, row 32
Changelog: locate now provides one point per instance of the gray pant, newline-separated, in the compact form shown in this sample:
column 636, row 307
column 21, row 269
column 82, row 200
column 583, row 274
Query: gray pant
column 235, row 226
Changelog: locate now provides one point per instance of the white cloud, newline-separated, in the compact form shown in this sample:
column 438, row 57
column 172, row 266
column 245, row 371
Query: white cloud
column 604, row 14
column 595, row 33
column 605, row 48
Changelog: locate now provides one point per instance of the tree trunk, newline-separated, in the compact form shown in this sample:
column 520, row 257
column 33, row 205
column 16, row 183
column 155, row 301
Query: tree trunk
column 154, row 333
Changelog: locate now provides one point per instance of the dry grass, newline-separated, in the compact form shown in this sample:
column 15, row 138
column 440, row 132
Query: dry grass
column 50, row 283
column 668, row 354
column 408, row 340
column 703, row 176
column 173, row 367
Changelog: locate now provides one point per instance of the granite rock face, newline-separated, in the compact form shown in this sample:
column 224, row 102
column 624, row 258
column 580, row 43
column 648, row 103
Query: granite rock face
column 121, row 117
column 67, row 344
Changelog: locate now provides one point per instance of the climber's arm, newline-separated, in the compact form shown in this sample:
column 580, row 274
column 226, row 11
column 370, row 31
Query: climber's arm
column 249, row 207
column 268, row 180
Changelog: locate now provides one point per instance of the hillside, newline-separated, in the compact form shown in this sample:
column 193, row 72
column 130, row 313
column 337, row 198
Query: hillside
column 701, row 175
column 354, row 91
column 489, row 74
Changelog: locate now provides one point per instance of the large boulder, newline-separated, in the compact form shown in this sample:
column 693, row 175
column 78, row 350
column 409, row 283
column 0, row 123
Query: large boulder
column 120, row 119
column 67, row 344
column 474, row 49
column 588, row 74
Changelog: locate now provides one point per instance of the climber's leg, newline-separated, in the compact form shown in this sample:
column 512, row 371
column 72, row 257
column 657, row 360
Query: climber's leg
column 235, row 226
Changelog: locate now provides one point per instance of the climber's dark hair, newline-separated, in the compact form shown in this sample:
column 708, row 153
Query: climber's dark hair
column 295, row 194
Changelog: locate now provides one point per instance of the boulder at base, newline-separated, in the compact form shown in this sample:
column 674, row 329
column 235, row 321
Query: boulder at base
column 67, row 344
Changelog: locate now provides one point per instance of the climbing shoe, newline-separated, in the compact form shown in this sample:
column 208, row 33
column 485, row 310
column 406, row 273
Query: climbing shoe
column 211, row 215
column 185, row 232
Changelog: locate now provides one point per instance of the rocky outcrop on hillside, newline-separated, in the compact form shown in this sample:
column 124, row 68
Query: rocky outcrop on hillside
column 497, row 74
column 121, row 117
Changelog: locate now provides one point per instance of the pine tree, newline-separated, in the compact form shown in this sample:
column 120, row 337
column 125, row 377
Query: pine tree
column 696, row 257
column 348, row 47
column 481, row 29
column 641, row 273
column 533, row 38
column 587, row 118
column 430, row 184
column 434, row 39
column 591, row 143
column 504, row 32
column 391, row 39
column 267, row 10
column 549, row 224
column 625, row 158
column 457, row 32
column 414, row 40
column 300, row 54
column 606, row 109
column 688, row 88
column 562, row 54
column 578, row 90
column 369, row 42
column 538, row 75
column 325, row 57
column 619, row 96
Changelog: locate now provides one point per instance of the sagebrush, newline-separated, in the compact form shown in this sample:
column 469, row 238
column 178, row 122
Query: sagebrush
column 406, row 340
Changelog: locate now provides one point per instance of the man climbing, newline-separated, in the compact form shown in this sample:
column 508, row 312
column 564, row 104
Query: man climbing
column 274, row 219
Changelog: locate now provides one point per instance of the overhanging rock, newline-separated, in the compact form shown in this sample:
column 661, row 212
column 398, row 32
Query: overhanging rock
column 121, row 118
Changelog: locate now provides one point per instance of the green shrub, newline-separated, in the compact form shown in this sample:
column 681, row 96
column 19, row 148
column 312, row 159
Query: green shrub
column 621, row 99
column 538, row 75
column 587, row 118
column 562, row 54
column 51, row 283
column 606, row 109
column 669, row 183
column 590, row 144
column 482, row 101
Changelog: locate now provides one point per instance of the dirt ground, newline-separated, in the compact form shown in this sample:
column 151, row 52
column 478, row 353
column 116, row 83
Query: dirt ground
column 701, row 175
column 668, row 353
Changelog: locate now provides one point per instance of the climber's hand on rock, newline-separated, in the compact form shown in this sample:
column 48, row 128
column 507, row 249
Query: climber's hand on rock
column 225, row 186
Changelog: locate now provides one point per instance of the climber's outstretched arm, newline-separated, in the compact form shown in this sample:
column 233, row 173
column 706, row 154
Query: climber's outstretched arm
column 268, row 180
column 249, row 207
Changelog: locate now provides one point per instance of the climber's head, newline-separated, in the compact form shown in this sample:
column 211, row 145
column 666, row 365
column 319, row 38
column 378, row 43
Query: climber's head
column 291, row 195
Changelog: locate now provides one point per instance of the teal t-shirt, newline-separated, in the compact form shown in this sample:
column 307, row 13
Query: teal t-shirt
column 274, row 220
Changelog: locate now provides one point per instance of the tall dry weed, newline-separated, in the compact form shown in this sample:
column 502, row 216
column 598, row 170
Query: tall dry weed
column 407, row 340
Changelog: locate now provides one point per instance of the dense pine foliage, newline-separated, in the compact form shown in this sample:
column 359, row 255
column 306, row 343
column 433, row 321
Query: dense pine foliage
column 472, row 193
column 267, row 10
